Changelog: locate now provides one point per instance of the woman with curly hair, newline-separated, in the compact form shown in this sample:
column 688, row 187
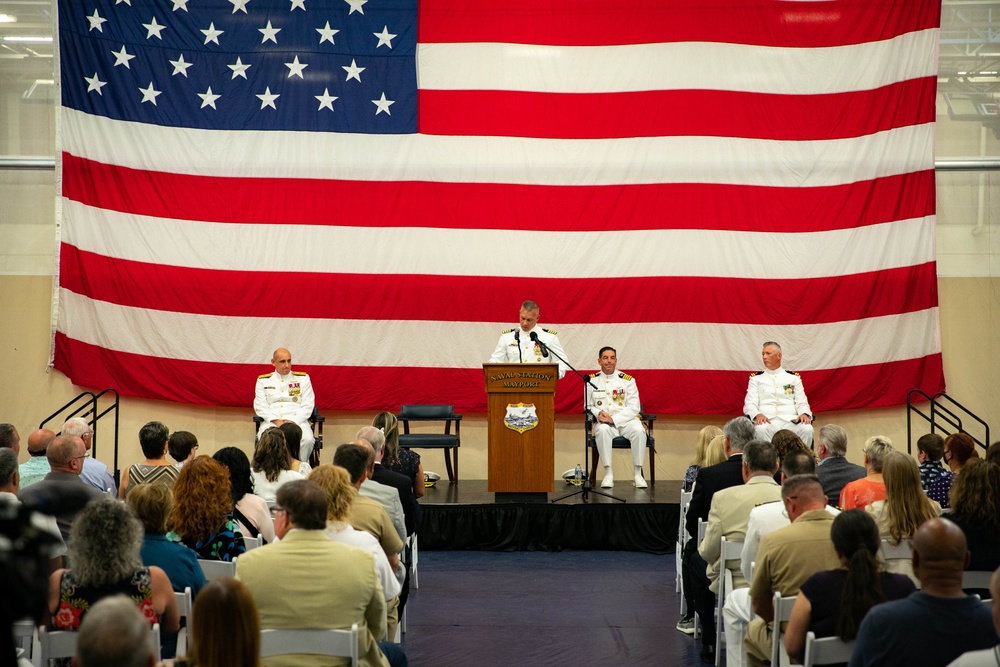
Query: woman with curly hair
column 202, row 516
column 863, row 492
column 225, row 627
column 705, row 436
column 403, row 461
column 271, row 465
column 104, row 555
column 786, row 441
column 975, row 507
column 959, row 449
column 833, row 603
column 250, row 511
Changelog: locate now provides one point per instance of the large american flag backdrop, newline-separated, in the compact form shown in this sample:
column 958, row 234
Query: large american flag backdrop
column 378, row 184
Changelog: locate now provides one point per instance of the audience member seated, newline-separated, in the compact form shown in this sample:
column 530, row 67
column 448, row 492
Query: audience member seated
column 293, row 441
column 715, row 454
column 336, row 484
column 183, row 447
column 833, row 469
column 104, row 556
column 271, row 464
column 863, row 492
column 987, row 657
column 155, row 468
column 935, row 625
column 202, row 517
column 959, row 448
column 833, row 602
column 66, row 455
column 992, row 454
column 403, row 461
column 412, row 513
column 37, row 466
column 250, row 510
column 115, row 633
column 786, row 441
column 225, row 627
column 9, row 486
column 930, row 451
column 905, row 507
column 975, row 507
column 151, row 504
column 350, row 593
column 94, row 473
column 701, row 450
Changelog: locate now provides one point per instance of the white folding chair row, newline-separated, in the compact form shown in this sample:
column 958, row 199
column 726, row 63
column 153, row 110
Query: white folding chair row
column 727, row 551
column 411, row 544
column 252, row 542
column 901, row 551
column 679, row 548
column 24, row 637
column 826, row 651
column 782, row 612
column 216, row 569
column 702, row 527
column 976, row 578
column 340, row 643
column 184, row 608
column 62, row 644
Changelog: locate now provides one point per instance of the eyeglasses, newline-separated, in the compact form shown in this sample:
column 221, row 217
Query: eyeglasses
column 275, row 510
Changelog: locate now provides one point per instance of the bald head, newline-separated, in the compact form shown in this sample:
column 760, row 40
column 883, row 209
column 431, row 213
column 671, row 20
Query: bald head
column 374, row 437
column 63, row 453
column 801, row 494
column 371, row 453
column 282, row 361
column 39, row 441
column 940, row 553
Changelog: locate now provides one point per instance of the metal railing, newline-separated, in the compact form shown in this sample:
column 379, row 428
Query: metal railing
column 86, row 405
column 946, row 415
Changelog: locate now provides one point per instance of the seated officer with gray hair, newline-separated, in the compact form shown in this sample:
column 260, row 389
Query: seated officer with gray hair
column 775, row 399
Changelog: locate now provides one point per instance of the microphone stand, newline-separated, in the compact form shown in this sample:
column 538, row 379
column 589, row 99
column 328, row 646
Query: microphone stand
column 586, row 488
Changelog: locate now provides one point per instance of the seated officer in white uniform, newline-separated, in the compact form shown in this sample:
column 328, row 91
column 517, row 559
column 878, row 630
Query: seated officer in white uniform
column 517, row 347
column 615, row 404
column 776, row 400
column 286, row 396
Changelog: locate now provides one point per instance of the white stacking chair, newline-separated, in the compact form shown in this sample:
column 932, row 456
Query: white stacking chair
column 184, row 608
column 340, row 643
column 976, row 578
column 727, row 551
column 782, row 612
column 62, row 644
column 24, row 637
column 411, row 543
column 216, row 569
column 826, row 651
column 252, row 542
column 679, row 548
column 702, row 527
column 901, row 551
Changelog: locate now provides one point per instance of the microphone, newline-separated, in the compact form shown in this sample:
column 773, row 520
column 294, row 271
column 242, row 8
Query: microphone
column 545, row 349
column 517, row 340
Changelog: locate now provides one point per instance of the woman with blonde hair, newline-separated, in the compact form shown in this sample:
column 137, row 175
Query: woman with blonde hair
column 716, row 452
column 906, row 506
column 399, row 460
column 271, row 465
column 202, row 516
column 225, row 627
column 705, row 436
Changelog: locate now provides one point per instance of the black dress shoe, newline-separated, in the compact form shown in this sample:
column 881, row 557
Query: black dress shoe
column 708, row 653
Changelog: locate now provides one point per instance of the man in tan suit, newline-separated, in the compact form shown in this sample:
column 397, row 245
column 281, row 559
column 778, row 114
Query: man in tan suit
column 348, row 593
column 727, row 517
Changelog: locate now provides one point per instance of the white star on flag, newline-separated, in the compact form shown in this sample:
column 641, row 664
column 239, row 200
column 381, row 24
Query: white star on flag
column 384, row 37
column 356, row 6
column 153, row 28
column 383, row 105
column 267, row 99
column 325, row 100
column 326, row 33
column 238, row 6
column 239, row 68
column 180, row 67
column 212, row 35
column 269, row 33
column 96, row 84
column 295, row 68
column 96, row 22
column 208, row 98
column 122, row 57
column 301, row 4
column 180, row 4
column 149, row 94
column 353, row 71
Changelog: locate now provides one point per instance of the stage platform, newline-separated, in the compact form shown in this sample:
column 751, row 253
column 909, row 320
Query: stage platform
column 465, row 515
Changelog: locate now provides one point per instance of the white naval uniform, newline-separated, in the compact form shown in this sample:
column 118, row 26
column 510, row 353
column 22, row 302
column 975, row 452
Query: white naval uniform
column 779, row 396
column 617, row 395
column 507, row 349
column 287, row 397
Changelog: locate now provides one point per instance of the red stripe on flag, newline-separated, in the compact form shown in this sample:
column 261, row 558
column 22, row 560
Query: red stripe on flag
column 597, row 22
column 712, row 113
column 498, row 206
column 348, row 296
column 378, row 388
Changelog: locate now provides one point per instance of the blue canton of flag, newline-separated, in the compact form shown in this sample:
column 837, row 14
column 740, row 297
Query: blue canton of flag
column 314, row 65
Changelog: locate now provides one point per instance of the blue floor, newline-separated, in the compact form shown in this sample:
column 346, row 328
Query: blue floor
column 484, row 608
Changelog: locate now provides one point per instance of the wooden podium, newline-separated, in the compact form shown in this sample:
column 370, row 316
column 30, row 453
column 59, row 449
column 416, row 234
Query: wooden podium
column 521, row 417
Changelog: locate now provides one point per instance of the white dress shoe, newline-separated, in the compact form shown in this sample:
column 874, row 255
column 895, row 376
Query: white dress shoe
column 640, row 483
column 608, row 481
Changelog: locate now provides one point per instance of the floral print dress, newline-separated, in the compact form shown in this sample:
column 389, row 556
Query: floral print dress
column 75, row 600
column 224, row 544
